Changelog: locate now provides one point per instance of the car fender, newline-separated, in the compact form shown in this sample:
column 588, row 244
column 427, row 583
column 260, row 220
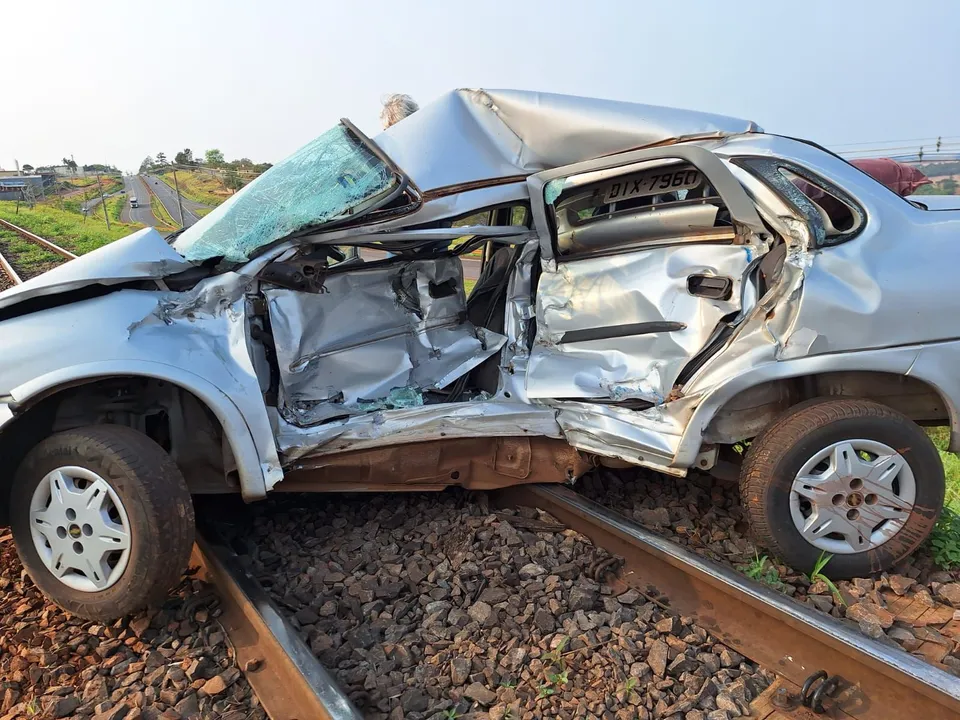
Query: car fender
column 932, row 364
column 256, row 473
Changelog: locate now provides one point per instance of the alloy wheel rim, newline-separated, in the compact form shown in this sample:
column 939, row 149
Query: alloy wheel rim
column 852, row 496
column 80, row 529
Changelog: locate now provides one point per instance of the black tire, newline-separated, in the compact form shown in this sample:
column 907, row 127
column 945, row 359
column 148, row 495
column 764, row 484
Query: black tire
column 158, row 506
column 778, row 454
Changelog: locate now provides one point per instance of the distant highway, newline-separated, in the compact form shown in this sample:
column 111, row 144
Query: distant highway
column 142, row 214
column 169, row 199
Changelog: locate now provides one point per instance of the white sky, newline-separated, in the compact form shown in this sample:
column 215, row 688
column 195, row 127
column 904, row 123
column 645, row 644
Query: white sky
column 113, row 81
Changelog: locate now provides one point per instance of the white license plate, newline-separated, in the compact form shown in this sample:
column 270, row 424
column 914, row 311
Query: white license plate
column 652, row 182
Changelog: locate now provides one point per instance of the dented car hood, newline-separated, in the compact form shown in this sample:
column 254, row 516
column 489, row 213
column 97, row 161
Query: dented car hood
column 144, row 255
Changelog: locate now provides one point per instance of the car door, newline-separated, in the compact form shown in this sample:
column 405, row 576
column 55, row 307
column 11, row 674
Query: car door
column 643, row 263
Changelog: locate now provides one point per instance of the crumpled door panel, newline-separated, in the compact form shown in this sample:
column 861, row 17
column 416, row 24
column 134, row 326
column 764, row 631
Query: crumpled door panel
column 374, row 339
column 623, row 326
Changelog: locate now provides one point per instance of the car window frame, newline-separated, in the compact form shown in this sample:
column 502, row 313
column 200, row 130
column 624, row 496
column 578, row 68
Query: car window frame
column 743, row 212
column 767, row 170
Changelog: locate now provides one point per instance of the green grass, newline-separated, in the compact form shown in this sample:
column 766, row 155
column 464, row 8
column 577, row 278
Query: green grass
column 468, row 285
column 116, row 205
column 29, row 257
column 79, row 182
column 951, row 466
column 66, row 228
column 160, row 211
column 198, row 186
column 945, row 539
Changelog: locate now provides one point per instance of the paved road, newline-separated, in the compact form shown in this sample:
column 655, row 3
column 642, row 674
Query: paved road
column 142, row 214
column 169, row 199
column 471, row 266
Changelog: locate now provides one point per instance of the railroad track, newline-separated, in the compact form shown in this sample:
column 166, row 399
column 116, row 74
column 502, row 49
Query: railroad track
column 289, row 681
column 856, row 677
column 874, row 681
column 11, row 276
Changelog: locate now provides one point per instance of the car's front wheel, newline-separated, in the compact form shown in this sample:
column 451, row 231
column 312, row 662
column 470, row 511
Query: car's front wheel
column 852, row 479
column 103, row 520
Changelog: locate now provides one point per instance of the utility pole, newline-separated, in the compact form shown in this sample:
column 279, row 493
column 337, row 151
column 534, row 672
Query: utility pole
column 106, row 215
column 179, row 204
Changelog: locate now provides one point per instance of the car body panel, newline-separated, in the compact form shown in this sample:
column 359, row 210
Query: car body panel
column 413, row 339
column 480, row 135
column 865, row 304
column 144, row 255
column 196, row 340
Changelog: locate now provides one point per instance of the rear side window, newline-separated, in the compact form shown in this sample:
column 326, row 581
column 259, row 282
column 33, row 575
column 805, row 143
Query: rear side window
column 834, row 216
column 621, row 212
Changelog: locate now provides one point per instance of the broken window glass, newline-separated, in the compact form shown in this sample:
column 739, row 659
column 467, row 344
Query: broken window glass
column 333, row 177
column 839, row 218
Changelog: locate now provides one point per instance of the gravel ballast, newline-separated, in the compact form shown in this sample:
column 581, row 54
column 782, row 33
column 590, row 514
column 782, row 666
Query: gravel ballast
column 172, row 663
column 436, row 606
column 915, row 607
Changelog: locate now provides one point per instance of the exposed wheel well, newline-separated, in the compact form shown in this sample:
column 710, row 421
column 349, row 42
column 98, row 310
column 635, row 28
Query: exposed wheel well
column 172, row 416
column 751, row 410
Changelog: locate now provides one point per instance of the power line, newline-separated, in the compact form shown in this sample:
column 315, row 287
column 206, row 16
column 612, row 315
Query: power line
column 931, row 139
column 928, row 149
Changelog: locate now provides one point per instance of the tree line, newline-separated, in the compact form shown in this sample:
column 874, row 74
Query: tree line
column 236, row 173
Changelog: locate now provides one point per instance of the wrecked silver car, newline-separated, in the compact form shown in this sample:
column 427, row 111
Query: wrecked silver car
column 658, row 288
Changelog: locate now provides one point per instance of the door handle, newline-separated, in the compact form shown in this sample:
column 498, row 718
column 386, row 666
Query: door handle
column 712, row 287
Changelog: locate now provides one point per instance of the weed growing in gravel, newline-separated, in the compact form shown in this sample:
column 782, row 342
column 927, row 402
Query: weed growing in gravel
column 451, row 714
column 761, row 570
column 817, row 574
column 945, row 540
column 545, row 691
column 555, row 656
column 561, row 678
column 629, row 685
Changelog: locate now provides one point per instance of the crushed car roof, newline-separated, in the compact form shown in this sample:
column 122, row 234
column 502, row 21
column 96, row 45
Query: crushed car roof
column 467, row 136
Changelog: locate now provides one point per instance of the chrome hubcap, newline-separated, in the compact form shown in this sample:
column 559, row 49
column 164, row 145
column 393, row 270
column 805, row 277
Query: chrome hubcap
column 852, row 496
column 80, row 529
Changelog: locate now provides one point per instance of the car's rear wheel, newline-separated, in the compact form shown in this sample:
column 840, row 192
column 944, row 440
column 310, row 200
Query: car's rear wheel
column 851, row 479
column 102, row 519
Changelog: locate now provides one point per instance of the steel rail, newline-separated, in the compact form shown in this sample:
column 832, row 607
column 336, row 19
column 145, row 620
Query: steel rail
column 288, row 680
column 37, row 239
column 8, row 270
column 793, row 640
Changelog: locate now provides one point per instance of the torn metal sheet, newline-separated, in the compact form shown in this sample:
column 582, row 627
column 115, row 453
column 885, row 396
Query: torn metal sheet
column 649, row 324
column 639, row 438
column 518, row 325
column 371, row 331
column 489, row 418
column 144, row 255
column 196, row 340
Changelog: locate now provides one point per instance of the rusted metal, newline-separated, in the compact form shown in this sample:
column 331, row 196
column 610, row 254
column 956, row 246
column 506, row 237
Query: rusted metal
column 289, row 681
column 8, row 270
column 878, row 682
column 39, row 240
column 473, row 463
column 781, row 701
column 472, row 185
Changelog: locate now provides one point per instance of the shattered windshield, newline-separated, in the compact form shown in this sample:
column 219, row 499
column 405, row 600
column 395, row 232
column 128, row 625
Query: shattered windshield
column 331, row 178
